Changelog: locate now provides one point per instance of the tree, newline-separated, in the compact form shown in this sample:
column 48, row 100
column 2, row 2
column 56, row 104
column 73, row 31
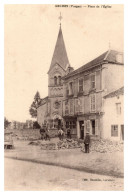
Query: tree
column 34, row 105
column 36, row 125
column 6, row 123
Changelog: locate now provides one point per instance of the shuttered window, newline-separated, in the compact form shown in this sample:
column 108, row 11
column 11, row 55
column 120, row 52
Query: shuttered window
column 71, row 106
column 81, row 81
column 66, row 108
column 71, row 88
column 79, row 105
column 76, row 105
column 93, row 81
column 96, row 127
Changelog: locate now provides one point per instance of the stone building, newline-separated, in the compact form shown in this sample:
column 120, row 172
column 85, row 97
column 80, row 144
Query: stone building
column 84, row 90
column 50, row 110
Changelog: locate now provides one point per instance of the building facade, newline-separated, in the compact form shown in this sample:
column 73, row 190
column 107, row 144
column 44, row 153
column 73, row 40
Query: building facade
column 113, row 124
column 84, row 89
column 76, row 97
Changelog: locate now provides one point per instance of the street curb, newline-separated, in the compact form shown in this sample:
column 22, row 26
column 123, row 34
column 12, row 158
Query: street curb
column 78, row 168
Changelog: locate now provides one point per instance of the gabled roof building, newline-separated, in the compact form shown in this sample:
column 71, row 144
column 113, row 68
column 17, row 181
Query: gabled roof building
column 76, row 97
column 85, row 89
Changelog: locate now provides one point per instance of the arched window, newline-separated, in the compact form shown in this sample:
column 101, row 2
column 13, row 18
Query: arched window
column 55, row 80
column 59, row 80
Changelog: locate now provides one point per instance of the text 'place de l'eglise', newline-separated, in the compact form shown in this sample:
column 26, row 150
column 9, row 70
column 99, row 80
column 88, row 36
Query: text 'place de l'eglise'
column 88, row 99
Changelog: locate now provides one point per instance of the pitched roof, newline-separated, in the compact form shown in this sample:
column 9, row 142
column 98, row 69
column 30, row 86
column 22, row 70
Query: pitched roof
column 117, row 92
column 43, row 101
column 107, row 57
column 60, row 55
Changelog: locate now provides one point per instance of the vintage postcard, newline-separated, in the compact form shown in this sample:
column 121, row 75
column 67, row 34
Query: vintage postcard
column 64, row 97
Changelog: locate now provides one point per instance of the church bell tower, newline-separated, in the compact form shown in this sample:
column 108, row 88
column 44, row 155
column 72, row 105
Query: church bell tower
column 57, row 70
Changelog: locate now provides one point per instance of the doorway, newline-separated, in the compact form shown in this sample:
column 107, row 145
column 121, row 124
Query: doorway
column 81, row 123
column 93, row 126
column 59, row 124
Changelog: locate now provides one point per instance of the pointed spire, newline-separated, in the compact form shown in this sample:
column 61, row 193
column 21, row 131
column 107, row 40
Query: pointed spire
column 60, row 18
column 60, row 55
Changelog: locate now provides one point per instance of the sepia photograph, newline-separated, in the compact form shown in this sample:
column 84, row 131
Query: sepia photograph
column 63, row 97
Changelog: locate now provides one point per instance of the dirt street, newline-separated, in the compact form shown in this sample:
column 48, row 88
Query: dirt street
column 95, row 162
column 22, row 175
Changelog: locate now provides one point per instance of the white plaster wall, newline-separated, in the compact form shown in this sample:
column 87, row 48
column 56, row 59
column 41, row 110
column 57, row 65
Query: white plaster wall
column 112, row 77
column 111, row 117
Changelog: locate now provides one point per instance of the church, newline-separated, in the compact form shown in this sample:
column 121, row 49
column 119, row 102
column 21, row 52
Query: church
column 50, row 109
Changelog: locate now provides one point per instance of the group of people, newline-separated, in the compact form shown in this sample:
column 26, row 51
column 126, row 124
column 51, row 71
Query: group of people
column 44, row 131
column 61, row 133
column 45, row 136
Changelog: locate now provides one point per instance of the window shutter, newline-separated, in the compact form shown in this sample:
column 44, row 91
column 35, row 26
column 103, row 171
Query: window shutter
column 93, row 81
column 71, row 106
column 73, row 88
column 92, row 103
column 96, row 127
column 88, row 126
column 66, row 107
column 76, row 106
column 85, row 127
column 76, row 87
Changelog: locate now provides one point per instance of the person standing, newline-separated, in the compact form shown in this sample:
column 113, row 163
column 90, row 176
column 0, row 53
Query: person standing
column 69, row 133
column 47, row 134
column 60, row 134
column 42, row 132
column 87, row 142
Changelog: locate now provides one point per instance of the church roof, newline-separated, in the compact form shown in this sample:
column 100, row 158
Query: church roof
column 60, row 55
column 107, row 57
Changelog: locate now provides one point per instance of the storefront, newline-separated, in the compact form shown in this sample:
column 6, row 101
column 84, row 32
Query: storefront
column 70, row 122
column 89, row 123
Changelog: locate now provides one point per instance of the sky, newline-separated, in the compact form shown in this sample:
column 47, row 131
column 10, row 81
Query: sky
column 30, row 34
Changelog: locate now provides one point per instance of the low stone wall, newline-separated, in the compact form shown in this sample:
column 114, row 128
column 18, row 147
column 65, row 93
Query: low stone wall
column 30, row 134
column 25, row 134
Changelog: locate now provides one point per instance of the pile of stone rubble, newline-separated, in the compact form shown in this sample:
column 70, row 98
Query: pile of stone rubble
column 104, row 146
column 68, row 143
column 65, row 144
column 101, row 146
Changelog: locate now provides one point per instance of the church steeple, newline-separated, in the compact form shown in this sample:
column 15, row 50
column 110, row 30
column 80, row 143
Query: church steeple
column 60, row 55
